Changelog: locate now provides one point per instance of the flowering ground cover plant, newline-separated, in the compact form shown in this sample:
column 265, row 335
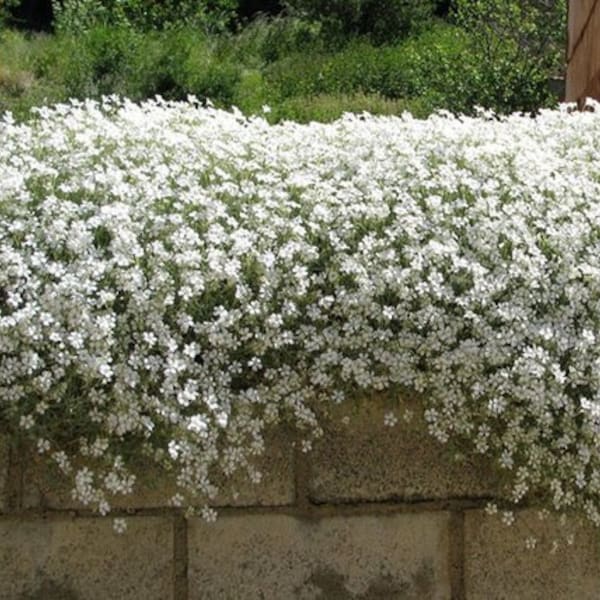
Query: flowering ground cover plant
column 174, row 279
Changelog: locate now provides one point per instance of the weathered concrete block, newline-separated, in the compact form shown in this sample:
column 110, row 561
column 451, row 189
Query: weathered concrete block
column 499, row 566
column 46, row 488
column 277, row 486
column 84, row 559
column 364, row 460
column 4, row 466
column 355, row 557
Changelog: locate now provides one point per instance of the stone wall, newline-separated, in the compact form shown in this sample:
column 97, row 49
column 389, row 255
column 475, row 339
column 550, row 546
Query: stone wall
column 372, row 512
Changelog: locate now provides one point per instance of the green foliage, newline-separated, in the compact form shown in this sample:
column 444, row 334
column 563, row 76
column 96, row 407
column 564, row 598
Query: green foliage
column 266, row 40
column 6, row 7
column 515, row 46
column 382, row 21
column 96, row 62
column 171, row 63
column 76, row 16
column 22, row 85
column 499, row 54
column 251, row 92
column 157, row 63
column 328, row 107
column 109, row 60
column 211, row 74
column 416, row 68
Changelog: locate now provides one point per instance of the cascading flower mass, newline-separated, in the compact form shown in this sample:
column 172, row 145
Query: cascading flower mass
column 174, row 279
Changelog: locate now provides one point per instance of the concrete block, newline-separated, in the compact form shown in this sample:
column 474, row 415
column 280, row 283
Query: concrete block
column 84, row 559
column 46, row 488
column 4, row 473
column 499, row 566
column 339, row 557
column 364, row 460
column 277, row 486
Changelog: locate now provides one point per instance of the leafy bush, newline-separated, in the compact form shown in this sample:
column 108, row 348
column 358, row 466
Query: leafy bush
column 499, row 54
column 251, row 93
column 420, row 67
column 266, row 40
column 6, row 8
column 516, row 47
column 440, row 68
column 173, row 280
column 95, row 62
column 382, row 20
column 123, row 61
column 22, row 84
column 180, row 62
column 325, row 108
column 212, row 75
column 77, row 16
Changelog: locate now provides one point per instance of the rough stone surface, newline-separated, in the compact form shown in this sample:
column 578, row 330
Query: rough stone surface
column 277, row 486
column 44, row 487
column 337, row 558
column 84, row 559
column 47, row 489
column 498, row 566
column 4, row 465
column 364, row 460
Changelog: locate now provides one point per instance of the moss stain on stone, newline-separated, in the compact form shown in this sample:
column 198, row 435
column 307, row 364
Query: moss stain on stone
column 51, row 590
column 332, row 586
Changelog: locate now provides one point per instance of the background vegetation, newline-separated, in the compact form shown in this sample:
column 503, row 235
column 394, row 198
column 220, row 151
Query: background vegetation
column 306, row 59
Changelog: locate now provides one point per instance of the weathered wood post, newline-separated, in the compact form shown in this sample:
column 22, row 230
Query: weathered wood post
column 583, row 54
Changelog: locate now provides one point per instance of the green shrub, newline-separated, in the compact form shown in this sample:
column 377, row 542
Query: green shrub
column 251, row 92
column 22, row 86
column 119, row 60
column 515, row 48
column 328, row 107
column 95, row 62
column 441, row 68
column 266, row 40
column 419, row 67
column 6, row 7
column 211, row 74
column 160, row 63
column 156, row 63
column 75, row 16
column 498, row 54
column 382, row 20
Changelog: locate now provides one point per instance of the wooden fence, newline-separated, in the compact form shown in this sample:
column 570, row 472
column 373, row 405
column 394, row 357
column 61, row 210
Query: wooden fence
column 583, row 54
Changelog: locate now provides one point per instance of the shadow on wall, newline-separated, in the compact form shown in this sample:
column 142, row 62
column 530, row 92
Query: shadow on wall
column 332, row 586
column 51, row 590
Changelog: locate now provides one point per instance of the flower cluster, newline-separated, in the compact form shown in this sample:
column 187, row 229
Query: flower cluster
column 175, row 279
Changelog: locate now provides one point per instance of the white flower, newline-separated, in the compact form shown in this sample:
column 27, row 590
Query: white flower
column 43, row 446
column 390, row 419
column 209, row 514
column 508, row 517
column 171, row 272
column 530, row 543
column 198, row 424
column 26, row 422
column 120, row 526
